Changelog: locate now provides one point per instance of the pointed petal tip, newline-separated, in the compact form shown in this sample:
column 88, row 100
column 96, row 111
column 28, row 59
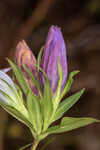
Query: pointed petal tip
column 6, row 70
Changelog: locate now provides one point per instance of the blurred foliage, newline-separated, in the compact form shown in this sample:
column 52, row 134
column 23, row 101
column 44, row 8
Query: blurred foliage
column 93, row 7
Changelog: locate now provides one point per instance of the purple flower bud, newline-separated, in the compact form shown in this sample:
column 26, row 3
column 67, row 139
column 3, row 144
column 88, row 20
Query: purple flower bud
column 54, row 48
column 25, row 56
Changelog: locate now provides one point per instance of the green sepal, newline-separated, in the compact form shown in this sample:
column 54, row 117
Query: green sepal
column 66, row 104
column 20, row 76
column 34, row 109
column 39, row 58
column 70, row 123
column 69, row 83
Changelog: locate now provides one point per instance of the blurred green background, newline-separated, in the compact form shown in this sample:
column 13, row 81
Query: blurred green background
column 80, row 24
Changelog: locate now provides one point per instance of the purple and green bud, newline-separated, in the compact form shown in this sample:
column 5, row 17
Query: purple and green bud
column 54, row 49
column 24, row 56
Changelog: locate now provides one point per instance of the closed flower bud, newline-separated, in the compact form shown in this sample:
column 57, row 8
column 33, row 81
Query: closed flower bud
column 24, row 56
column 54, row 49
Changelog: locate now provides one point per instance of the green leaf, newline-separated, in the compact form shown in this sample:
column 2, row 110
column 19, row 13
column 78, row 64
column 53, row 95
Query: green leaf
column 16, row 114
column 47, row 104
column 12, row 96
column 39, row 58
column 70, row 123
column 33, row 79
column 34, row 109
column 46, row 101
column 10, row 90
column 66, row 104
column 20, row 76
column 56, row 99
column 19, row 92
column 69, row 83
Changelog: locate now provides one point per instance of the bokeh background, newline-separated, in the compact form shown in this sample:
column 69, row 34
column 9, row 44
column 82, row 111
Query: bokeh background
column 80, row 24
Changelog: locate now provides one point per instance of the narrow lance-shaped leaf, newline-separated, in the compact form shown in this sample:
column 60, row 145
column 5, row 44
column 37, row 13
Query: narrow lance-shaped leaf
column 33, row 79
column 9, row 91
column 12, row 96
column 70, row 123
column 9, row 100
column 66, row 104
column 16, row 114
column 47, row 103
column 34, row 109
column 20, row 77
column 39, row 58
column 69, row 83
column 11, row 105
column 19, row 92
column 56, row 98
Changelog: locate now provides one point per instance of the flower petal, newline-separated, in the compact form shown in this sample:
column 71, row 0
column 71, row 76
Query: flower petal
column 54, row 48
column 6, row 78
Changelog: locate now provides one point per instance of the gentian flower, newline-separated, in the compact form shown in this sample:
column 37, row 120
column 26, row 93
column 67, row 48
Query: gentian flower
column 24, row 56
column 42, row 106
column 54, row 48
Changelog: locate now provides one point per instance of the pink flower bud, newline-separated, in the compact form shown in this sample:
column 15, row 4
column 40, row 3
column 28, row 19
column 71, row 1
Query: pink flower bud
column 24, row 56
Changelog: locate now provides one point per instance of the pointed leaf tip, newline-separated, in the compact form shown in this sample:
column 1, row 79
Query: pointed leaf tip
column 66, row 104
column 70, row 123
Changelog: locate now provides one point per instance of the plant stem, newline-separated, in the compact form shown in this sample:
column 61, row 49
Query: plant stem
column 35, row 144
